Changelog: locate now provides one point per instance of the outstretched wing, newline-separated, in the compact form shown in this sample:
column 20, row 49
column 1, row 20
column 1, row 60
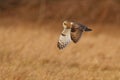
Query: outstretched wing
column 64, row 39
column 76, row 33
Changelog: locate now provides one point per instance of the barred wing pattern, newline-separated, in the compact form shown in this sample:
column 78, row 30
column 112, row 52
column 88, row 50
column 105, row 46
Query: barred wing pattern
column 76, row 34
column 64, row 39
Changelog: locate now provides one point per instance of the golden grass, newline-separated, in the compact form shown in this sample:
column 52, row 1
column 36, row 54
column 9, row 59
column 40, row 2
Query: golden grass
column 87, row 11
column 30, row 53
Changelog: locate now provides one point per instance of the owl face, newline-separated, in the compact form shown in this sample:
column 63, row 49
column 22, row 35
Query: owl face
column 67, row 24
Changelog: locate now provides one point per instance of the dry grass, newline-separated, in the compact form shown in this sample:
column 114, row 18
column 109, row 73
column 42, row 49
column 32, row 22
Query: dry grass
column 28, row 49
column 87, row 11
column 30, row 53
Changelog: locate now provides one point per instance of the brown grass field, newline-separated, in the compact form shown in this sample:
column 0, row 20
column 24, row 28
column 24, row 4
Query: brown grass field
column 29, row 32
column 31, row 54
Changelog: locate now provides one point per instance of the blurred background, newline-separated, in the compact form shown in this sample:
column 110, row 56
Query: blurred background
column 104, row 11
column 30, row 29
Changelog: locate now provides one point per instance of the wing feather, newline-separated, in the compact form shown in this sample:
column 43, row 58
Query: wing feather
column 76, row 33
column 64, row 40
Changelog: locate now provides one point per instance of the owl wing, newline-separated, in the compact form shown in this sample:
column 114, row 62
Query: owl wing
column 76, row 33
column 64, row 40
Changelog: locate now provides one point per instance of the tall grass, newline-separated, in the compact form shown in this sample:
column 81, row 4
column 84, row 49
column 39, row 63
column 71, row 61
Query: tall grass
column 31, row 53
column 93, row 11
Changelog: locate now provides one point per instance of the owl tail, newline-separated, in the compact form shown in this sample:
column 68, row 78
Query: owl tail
column 88, row 29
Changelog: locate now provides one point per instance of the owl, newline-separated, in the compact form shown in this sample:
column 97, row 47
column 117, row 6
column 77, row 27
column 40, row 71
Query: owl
column 72, row 31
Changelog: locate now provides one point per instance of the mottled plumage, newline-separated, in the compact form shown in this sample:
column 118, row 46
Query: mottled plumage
column 72, row 31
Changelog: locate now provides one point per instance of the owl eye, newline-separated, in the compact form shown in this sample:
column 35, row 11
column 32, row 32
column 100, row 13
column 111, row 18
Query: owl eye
column 71, row 23
column 65, row 24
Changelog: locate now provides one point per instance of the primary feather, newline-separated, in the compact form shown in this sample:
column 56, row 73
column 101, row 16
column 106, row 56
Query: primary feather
column 76, row 34
column 77, row 30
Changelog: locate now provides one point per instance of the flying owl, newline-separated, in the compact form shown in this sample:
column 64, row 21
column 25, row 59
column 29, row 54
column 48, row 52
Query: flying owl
column 72, row 32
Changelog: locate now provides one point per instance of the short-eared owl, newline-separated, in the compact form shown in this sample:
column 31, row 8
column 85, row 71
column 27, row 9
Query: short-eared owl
column 72, row 32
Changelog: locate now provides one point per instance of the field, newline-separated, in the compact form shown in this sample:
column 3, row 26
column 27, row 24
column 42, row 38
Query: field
column 31, row 54
column 29, row 32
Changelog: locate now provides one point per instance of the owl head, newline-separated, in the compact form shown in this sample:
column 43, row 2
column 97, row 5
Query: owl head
column 67, row 24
